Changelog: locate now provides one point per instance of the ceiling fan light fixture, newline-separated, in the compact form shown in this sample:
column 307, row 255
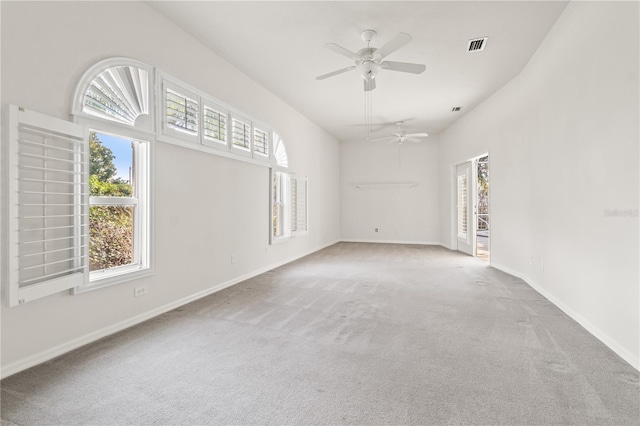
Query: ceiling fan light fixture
column 369, row 70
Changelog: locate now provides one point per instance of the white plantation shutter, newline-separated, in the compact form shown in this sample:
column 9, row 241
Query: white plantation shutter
column 462, row 206
column 298, row 205
column 182, row 111
column 241, row 134
column 215, row 125
column 119, row 93
column 48, row 199
column 261, row 142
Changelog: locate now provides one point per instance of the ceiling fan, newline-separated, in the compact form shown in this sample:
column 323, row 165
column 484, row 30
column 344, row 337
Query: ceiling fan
column 401, row 136
column 368, row 61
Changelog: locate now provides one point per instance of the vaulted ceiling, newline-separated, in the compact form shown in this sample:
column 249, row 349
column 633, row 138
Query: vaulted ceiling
column 281, row 46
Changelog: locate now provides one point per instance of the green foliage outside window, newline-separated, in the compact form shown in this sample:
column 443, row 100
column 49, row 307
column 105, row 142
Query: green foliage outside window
column 110, row 227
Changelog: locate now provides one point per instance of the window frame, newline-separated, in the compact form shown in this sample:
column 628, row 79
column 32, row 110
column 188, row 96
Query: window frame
column 165, row 129
column 146, row 126
column 143, row 234
column 239, row 150
column 285, row 203
column 211, row 104
column 145, row 131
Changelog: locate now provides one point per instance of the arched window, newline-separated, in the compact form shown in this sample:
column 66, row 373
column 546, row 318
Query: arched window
column 279, row 152
column 117, row 90
column 288, row 197
column 114, row 99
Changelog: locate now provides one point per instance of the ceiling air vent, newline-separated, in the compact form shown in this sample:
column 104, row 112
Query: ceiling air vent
column 456, row 109
column 476, row 44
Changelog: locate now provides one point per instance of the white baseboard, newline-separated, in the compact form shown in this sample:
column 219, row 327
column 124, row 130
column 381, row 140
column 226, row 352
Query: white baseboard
column 425, row 243
column 53, row 352
column 611, row 343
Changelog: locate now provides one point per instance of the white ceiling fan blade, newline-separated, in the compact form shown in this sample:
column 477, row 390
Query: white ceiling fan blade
column 394, row 44
column 403, row 67
column 331, row 74
column 369, row 85
column 417, row 135
column 376, row 127
column 414, row 140
column 341, row 51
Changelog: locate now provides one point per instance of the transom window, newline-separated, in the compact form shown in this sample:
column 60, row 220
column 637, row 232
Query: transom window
column 215, row 125
column 260, row 141
column 181, row 112
column 241, row 133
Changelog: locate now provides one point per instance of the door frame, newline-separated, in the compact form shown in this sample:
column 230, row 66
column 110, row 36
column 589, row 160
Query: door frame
column 453, row 191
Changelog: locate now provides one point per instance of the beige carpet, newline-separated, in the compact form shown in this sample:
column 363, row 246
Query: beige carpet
column 353, row 334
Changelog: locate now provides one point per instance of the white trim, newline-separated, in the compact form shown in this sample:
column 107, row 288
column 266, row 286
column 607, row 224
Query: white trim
column 50, row 353
column 215, row 151
column 422, row 243
column 610, row 342
column 384, row 185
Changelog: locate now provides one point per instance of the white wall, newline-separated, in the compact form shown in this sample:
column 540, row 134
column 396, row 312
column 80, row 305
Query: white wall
column 405, row 214
column 563, row 142
column 207, row 207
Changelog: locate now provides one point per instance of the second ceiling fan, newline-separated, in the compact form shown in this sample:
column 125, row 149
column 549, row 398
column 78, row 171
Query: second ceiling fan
column 368, row 61
column 400, row 136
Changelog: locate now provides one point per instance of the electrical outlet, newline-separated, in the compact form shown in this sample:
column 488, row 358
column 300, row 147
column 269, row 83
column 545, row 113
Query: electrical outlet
column 234, row 258
column 139, row 291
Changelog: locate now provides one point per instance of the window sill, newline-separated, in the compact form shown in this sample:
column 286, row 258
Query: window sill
column 279, row 240
column 107, row 279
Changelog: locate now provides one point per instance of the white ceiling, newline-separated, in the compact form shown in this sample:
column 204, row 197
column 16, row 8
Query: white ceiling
column 280, row 45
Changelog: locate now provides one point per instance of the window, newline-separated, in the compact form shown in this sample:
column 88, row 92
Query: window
column 215, row 125
column 279, row 152
column 118, row 214
column 120, row 93
column 115, row 99
column 241, row 134
column 260, row 142
column 281, row 212
column 181, row 112
column 288, row 197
